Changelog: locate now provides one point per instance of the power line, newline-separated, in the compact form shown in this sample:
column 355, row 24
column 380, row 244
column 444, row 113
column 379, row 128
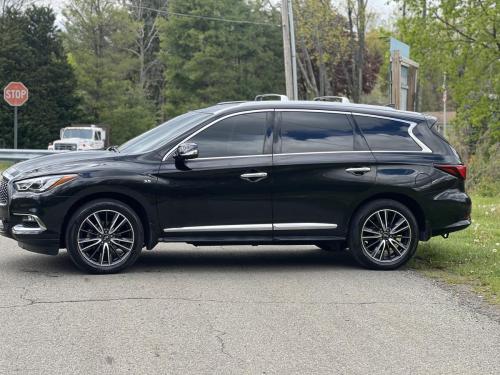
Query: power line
column 210, row 18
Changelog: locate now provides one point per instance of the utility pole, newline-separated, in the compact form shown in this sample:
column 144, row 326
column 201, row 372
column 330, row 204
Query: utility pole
column 285, row 14
column 445, row 99
column 294, row 53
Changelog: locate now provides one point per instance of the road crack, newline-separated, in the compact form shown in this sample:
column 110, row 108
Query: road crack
column 32, row 301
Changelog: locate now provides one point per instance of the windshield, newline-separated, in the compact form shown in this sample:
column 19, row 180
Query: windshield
column 78, row 133
column 163, row 133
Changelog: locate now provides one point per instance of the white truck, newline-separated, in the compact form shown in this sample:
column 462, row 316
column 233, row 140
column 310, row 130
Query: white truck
column 81, row 138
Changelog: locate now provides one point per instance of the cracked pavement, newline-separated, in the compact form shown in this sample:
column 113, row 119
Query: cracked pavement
column 232, row 310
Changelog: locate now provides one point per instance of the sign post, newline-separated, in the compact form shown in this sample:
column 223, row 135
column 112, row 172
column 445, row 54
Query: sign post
column 15, row 94
column 404, row 72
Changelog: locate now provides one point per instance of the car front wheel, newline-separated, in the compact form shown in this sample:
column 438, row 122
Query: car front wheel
column 104, row 236
column 383, row 235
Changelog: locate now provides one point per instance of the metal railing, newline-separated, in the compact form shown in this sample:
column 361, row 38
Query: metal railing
column 24, row 154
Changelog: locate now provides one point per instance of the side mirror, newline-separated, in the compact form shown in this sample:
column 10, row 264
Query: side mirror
column 186, row 151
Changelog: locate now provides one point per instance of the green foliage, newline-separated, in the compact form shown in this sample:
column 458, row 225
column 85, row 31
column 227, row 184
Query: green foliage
column 100, row 40
column 484, row 167
column 209, row 61
column 459, row 37
column 32, row 52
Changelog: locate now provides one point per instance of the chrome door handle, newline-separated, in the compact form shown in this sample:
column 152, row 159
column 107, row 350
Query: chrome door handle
column 358, row 171
column 254, row 177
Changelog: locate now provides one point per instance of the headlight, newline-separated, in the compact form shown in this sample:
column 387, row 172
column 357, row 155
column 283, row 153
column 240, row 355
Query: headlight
column 44, row 183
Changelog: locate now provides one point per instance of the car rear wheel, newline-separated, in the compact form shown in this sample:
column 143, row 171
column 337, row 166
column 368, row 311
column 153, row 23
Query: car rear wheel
column 383, row 235
column 104, row 236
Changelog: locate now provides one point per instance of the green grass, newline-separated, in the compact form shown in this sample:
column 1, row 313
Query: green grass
column 471, row 256
column 4, row 165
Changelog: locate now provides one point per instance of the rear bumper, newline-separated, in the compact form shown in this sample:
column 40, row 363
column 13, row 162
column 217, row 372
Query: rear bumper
column 459, row 225
column 449, row 211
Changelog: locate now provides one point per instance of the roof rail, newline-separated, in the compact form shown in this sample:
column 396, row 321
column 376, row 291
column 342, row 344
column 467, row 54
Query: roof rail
column 232, row 102
column 340, row 99
column 260, row 98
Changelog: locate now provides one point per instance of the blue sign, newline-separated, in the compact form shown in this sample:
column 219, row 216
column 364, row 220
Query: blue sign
column 403, row 48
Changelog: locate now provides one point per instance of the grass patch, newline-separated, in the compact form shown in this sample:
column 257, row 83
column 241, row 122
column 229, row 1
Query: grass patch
column 4, row 165
column 471, row 256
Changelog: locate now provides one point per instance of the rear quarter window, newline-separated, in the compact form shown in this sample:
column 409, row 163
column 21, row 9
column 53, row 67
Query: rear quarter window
column 386, row 134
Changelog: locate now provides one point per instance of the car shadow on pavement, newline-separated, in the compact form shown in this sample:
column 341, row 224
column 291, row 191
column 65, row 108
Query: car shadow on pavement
column 192, row 259
column 254, row 259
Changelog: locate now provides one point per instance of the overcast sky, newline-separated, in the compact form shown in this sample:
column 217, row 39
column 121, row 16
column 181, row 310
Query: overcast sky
column 380, row 7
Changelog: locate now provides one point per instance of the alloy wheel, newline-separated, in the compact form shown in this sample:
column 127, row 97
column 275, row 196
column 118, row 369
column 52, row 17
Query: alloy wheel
column 105, row 238
column 386, row 236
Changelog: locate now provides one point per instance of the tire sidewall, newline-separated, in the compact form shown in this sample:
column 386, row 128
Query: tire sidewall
column 359, row 219
column 81, row 214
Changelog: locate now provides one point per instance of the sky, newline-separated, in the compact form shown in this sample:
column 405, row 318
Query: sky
column 380, row 7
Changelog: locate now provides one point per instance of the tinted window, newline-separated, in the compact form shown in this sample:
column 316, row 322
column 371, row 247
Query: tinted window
column 386, row 135
column 315, row 132
column 235, row 136
column 164, row 133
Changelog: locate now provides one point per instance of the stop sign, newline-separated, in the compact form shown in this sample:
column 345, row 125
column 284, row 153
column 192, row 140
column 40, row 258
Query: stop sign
column 16, row 94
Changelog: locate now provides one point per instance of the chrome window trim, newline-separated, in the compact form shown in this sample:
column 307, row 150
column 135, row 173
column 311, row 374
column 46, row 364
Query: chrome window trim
column 232, row 157
column 209, row 125
column 422, row 145
column 311, row 110
column 418, row 141
column 412, row 124
column 252, row 227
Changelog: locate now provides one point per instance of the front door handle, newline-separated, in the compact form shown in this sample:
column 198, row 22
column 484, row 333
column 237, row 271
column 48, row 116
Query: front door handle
column 358, row 171
column 254, row 176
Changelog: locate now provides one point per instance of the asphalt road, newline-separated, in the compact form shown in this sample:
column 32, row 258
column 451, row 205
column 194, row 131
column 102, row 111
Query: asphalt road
column 232, row 310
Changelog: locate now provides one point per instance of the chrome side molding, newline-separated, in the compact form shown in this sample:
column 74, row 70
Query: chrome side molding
column 252, row 227
column 220, row 228
column 303, row 226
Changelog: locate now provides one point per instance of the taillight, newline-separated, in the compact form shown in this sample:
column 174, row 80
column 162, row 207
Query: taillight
column 459, row 171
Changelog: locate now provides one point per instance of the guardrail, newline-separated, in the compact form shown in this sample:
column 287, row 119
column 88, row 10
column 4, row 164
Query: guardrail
column 24, row 154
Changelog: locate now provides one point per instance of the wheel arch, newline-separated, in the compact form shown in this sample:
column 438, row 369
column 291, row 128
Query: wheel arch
column 150, row 238
column 410, row 203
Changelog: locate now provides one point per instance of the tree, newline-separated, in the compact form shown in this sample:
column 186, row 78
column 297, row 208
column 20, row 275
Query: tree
column 209, row 60
column 100, row 40
column 32, row 52
column 146, row 15
column 333, row 58
column 460, row 38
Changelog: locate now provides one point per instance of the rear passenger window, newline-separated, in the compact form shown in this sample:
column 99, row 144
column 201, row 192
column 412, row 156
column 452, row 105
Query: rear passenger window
column 386, row 135
column 240, row 135
column 315, row 132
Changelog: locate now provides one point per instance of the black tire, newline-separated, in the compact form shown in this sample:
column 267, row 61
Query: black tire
column 332, row 246
column 361, row 249
column 132, row 228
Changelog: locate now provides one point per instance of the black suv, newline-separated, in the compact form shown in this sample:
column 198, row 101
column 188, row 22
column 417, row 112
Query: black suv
column 371, row 179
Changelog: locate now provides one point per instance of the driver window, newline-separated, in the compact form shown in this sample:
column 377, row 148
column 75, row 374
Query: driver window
column 239, row 135
column 97, row 136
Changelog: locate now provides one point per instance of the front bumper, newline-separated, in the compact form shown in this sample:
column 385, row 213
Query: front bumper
column 31, row 220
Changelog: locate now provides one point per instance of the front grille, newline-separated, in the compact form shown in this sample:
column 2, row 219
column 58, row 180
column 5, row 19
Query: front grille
column 4, row 192
column 65, row 146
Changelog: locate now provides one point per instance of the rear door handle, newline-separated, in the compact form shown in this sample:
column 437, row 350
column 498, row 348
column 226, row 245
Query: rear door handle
column 358, row 171
column 254, row 177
